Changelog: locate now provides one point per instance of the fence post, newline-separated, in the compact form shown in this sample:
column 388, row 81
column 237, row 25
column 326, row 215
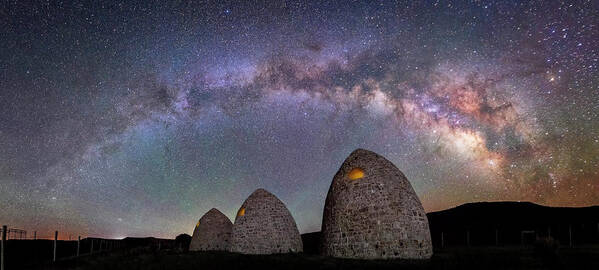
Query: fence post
column 496, row 237
column 442, row 241
column 55, row 239
column 3, row 247
column 91, row 247
column 78, row 244
column 468, row 237
column 570, row 233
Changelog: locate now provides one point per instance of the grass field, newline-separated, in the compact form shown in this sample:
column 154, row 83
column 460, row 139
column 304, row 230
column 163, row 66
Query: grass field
column 453, row 258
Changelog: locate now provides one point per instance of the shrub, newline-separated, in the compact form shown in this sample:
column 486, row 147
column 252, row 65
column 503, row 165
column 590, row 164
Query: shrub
column 182, row 242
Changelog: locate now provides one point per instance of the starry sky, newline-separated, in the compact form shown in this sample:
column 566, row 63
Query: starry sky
column 135, row 118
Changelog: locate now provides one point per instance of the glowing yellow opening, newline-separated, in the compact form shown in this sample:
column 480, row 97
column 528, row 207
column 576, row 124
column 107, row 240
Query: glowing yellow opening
column 356, row 173
column 241, row 212
column 198, row 225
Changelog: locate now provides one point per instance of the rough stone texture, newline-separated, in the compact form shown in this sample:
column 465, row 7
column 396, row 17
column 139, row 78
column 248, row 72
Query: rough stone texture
column 377, row 216
column 266, row 227
column 212, row 232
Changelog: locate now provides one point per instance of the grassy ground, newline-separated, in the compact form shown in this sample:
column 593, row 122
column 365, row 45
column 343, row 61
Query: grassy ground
column 454, row 258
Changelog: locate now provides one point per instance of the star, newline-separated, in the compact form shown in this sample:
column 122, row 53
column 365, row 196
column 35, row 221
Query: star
column 135, row 119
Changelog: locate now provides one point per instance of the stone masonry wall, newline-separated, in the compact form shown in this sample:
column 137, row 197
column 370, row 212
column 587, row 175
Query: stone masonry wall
column 266, row 227
column 377, row 216
column 213, row 232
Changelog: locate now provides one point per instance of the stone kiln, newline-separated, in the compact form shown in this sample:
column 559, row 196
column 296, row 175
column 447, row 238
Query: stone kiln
column 212, row 232
column 372, row 212
column 264, row 226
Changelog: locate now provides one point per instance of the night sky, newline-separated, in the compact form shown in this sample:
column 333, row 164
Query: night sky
column 134, row 119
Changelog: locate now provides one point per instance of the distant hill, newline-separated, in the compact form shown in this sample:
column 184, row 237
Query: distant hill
column 513, row 223
column 155, row 243
column 504, row 223
column 311, row 242
column 519, row 214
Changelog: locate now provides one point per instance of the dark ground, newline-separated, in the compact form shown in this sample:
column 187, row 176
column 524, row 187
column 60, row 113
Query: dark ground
column 452, row 258
column 493, row 230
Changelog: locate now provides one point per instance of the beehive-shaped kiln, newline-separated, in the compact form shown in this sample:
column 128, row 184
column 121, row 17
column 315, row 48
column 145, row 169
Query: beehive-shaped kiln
column 264, row 226
column 212, row 232
column 372, row 212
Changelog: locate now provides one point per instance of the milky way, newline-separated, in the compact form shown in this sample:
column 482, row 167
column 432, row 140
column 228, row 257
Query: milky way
column 134, row 119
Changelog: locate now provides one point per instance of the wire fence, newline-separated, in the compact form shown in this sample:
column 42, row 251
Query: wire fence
column 13, row 233
column 567, row 235
column 17, row 249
